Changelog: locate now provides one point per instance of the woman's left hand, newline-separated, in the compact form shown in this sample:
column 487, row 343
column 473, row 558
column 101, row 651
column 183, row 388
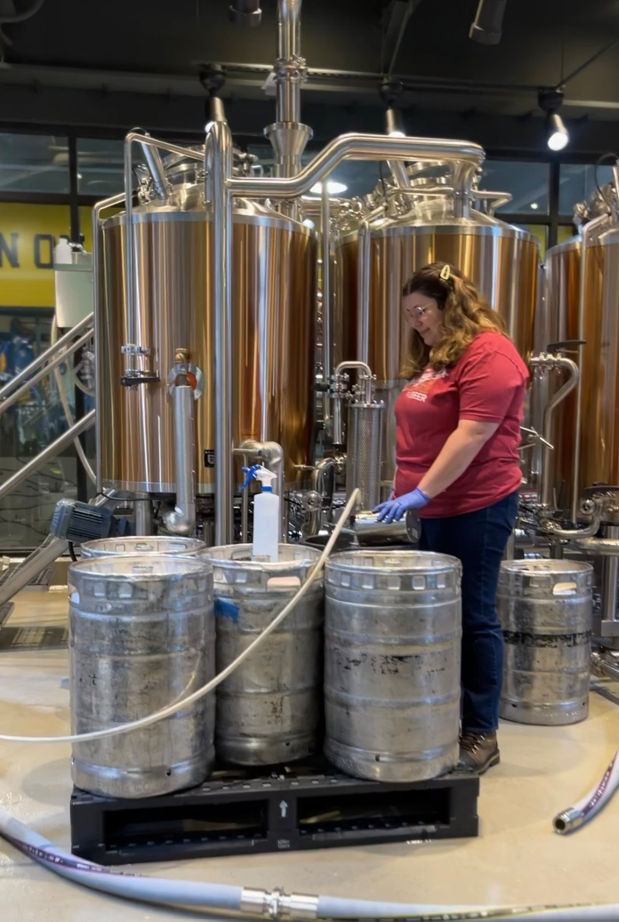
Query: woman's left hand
column 394, row 509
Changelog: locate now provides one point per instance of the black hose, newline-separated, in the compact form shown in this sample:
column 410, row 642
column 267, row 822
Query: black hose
column 22, row 17
column 72, row 552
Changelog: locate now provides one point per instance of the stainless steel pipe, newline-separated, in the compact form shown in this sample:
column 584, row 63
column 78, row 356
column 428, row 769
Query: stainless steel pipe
column 586, row 234
column 182, row 519
column 326, row 298
column 398, row 171
column 290, row 66
column 52, row 450
column 49, row 353
column 467, row 155
column 218, row 165
column 57, row 360
column 364, row 272
column 143, row 515
column 157, row 171
column 39, row 560
column 550, row 362
column 602, row 547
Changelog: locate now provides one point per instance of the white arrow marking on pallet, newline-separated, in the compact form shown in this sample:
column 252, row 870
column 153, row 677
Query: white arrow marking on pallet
column 283, row 807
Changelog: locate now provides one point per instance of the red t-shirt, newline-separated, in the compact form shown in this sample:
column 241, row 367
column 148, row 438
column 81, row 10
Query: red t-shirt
column 486, row 384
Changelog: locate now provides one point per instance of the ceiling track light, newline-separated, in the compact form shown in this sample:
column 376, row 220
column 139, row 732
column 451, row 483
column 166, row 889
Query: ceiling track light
column 557, row 136
column 245, row 13
column 394, row 124
column 488, row 25
column 389, row 92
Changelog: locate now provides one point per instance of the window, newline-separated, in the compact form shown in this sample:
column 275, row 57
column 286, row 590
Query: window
column 564, row 232
column 526, row 182
column 578, row 183
column 100, row 167
column 34, row 163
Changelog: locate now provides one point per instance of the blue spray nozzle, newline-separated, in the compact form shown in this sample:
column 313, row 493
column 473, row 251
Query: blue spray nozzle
column 258, row 472
column 250, row 471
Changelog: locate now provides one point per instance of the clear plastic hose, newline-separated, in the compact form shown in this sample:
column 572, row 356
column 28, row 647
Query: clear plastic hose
column 210, row 686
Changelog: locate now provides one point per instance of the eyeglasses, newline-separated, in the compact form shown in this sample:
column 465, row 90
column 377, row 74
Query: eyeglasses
column 416, row 311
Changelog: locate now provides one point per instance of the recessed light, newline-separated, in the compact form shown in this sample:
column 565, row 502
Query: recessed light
column 335, row 188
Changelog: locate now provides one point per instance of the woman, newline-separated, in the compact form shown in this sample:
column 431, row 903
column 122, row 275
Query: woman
column 458, row 433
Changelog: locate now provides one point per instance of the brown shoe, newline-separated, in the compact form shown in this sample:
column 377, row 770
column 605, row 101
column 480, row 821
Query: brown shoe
column 478, row 752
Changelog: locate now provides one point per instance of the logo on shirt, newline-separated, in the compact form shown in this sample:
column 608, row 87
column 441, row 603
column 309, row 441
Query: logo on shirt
column 420, row 387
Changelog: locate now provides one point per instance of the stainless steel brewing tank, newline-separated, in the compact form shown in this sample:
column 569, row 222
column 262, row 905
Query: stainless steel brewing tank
column 545, row 609
column 557, row 321
column 500, row 259
column 599, row 443
column 142, row 636
column 273, row 290
column 161, row 545
column 270, row 709
column 392, row 663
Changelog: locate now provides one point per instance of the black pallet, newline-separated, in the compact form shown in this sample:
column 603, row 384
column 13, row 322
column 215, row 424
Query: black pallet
column 247, row 812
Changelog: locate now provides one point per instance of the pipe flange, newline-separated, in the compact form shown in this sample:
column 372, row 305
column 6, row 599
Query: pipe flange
column 293, row 69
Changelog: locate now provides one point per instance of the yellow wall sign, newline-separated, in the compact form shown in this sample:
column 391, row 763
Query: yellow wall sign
column 28, row 234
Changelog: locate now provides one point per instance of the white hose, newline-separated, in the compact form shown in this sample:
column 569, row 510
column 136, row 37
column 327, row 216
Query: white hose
column 129, row 886
column 584, row 811
column 201, row 692
column 225, row 897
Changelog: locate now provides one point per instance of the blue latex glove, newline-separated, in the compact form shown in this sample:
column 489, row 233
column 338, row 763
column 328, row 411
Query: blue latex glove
column 394, row 509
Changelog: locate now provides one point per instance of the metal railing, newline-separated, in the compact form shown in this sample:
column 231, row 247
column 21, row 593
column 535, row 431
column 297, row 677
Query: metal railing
column 50, row 359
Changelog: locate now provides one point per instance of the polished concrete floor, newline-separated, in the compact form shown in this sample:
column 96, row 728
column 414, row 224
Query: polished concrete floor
column 517, row 858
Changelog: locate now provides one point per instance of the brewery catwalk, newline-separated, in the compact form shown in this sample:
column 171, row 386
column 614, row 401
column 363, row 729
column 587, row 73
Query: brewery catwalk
column 516, row 858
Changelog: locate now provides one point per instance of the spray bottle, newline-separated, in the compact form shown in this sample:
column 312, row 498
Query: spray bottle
column 266, row 515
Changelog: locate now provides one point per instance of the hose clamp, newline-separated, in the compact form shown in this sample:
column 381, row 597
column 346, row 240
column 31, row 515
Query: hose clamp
column 279, row 905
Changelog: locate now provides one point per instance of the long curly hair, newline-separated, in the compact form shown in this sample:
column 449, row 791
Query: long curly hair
column 466, row 314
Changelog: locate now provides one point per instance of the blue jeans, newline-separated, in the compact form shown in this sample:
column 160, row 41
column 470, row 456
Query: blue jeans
column 478, row 539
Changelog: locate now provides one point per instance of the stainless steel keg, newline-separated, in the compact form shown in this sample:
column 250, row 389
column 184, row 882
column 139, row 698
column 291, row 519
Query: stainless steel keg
column 392, row 663
column 142, row 636
column 138, row 546
column 270, row 709
column 545, row 609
